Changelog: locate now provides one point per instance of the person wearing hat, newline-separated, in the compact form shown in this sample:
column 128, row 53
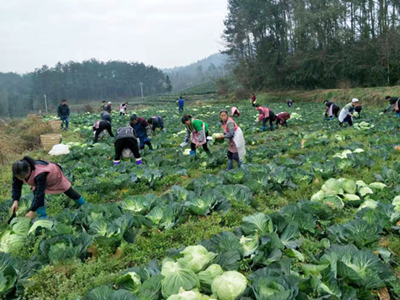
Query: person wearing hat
column 63, row 114
column 126, row 138
column 266, row 114
column 346, row 114
column 143, row 130
column 44, row 178
column 157, row 122
column 198, row 131
column 234, row 136
column 393, row 101
column 108, row 108
column 331, row 109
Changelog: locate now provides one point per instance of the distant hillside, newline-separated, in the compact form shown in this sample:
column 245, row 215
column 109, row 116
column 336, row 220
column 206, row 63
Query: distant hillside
column 200, row 72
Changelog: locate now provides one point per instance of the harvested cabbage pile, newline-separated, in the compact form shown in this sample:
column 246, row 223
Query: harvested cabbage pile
column 340, row 192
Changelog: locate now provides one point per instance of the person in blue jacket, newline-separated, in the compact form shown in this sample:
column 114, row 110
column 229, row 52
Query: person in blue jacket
column 143, row 130
column 181, row 103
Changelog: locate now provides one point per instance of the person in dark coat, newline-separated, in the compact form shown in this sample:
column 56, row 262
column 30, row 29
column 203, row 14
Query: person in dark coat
column 63, row 113
column 143, row 130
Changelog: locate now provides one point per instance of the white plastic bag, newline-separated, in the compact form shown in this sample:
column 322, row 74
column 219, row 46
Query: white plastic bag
column 127, row 153
column 59, row 149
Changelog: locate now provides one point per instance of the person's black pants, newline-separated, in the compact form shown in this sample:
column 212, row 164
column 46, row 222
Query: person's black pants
column 129, row 143
column 100, row 129
column 271, row 119
column 234, row 156
column 335, row 111
column 205, row 146
column 349, row 120
column 71, row 193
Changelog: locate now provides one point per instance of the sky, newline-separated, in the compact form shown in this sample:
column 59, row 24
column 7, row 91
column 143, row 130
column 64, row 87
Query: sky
column 162, row 33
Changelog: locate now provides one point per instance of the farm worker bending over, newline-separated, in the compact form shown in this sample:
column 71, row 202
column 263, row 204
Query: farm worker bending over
column 199, row 132
column 105, row 115
column 357, row 111
column 281, row 118
column 393, row 101
column 235, row 112
column 143, row 130
column 156, row 122
column 266, row 115
column 253, row 100
column 63, row 113
column 44, row 178
column 122, row 109
column 181, row 103
column 235, row 138
column 346, row 112
column 331, row 109
column 98, row 130
column 290, row 102
column 108, row 108
column 126, row 138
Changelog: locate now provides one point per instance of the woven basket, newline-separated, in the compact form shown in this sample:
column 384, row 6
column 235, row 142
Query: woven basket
column 34, row 117
column 49, row 140
column 55, row 125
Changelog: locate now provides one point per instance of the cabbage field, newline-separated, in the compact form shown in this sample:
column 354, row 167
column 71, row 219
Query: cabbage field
column 314, row 213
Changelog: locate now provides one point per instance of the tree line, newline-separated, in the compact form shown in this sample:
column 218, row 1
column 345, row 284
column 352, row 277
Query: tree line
column 80, row 82
column 314, row 43
column 198, row 73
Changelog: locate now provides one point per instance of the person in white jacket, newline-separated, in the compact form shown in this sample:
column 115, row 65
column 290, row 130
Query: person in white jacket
column 346, row 114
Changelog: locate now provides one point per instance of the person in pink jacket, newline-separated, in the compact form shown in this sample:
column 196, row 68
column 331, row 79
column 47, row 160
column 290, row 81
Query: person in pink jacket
column 235, row 112
column 44, row 178
column 266, row 114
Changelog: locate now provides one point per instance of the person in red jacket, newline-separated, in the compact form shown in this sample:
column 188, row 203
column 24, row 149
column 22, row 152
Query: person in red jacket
column 253, row 100
column 281, row 118
column 266, row 114
column 44, row 178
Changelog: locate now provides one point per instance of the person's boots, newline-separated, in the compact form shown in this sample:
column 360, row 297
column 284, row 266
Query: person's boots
column 138, row 161
column 192, row 153
column 80, row 201
column 116, row 162
column 41, row 212
column 208, row 153
column 263, row 128
column 230, row 165
column 271, row 128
